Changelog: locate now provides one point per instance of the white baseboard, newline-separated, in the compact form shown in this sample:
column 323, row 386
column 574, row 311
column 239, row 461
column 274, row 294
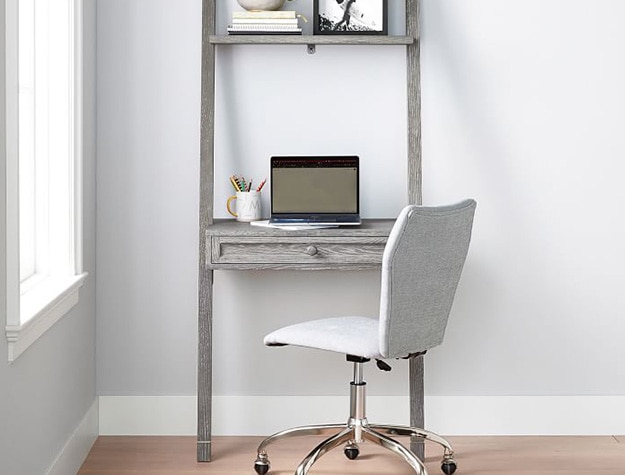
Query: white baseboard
column 526, row 415
column 449, row 415
column 233, row 415
column 75, row 450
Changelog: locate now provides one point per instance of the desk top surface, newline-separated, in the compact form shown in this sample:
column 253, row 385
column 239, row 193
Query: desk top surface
column 369, row 227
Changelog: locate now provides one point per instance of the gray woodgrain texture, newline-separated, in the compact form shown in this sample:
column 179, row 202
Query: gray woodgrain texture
column 414, row 103
column 229, row 245
column 312, row 40
column 297, row 251
column 241, row 246
column 369, row 227
column 205, row 278
column 417, row 412
column 416, row 370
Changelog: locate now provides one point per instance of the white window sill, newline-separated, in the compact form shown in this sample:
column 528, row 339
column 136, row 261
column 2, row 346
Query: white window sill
column 41, row 308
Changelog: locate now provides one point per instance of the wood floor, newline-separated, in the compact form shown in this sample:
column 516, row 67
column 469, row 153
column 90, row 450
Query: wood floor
column 604, row 455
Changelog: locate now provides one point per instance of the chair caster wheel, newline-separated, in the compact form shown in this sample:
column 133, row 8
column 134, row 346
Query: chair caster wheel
column 448, row 467
column 351, row 451
column 261, row 465
column 261, row 469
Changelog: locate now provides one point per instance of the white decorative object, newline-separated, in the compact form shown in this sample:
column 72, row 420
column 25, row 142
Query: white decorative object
column 261, row 4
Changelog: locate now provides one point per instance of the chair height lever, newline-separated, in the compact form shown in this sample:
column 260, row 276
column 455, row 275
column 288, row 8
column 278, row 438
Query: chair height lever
column 383, row 365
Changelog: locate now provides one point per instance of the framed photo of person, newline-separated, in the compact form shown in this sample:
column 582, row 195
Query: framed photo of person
column 350, row 17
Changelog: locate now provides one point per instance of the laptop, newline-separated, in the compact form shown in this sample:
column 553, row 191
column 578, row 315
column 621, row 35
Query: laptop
column 315, row 190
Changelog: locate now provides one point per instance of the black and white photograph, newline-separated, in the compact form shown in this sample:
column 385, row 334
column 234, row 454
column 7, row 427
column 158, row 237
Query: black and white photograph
column 356, row 17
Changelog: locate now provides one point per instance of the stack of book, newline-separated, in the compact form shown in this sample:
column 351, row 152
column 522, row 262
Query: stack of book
column 264, row 23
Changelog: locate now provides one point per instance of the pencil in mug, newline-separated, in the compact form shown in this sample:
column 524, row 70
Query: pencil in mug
column 262, row 183
column 234, row 183
column 240, row 182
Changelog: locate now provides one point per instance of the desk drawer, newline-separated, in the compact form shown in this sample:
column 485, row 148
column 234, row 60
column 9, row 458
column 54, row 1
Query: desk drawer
column 268, row 251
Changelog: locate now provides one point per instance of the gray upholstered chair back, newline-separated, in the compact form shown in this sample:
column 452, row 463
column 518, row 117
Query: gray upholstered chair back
column 421, row 268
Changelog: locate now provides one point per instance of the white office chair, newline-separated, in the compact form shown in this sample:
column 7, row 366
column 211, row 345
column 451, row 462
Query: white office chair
column 421, row 267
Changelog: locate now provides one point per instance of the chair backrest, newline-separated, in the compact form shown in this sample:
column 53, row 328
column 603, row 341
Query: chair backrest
column 421, row 267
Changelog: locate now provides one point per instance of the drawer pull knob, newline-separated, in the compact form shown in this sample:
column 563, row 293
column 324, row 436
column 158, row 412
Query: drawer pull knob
column 311, row 250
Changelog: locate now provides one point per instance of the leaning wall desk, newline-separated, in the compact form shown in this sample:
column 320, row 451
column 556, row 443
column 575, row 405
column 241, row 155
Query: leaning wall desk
column 225, row 244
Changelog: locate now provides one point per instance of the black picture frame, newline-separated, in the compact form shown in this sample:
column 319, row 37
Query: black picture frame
column 364, row 17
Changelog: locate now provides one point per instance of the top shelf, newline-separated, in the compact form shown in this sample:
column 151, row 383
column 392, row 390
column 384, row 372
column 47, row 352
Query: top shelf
column 311, row 40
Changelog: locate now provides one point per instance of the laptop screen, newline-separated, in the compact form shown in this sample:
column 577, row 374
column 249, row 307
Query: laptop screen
column 314, row 185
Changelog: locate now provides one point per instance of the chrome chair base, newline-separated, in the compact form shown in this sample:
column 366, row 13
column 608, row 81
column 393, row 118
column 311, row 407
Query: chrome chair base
column 347, row 435
column 356, row 431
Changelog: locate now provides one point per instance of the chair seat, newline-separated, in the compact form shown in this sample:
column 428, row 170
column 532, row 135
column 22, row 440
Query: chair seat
column 357, row 336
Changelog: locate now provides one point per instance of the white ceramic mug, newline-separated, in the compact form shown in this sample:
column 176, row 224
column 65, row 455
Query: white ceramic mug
column 247, row 206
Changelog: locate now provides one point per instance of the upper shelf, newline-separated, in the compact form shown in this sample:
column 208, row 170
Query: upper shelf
column 312, row 40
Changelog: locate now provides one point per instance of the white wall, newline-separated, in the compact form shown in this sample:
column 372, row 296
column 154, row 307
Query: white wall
column 521, row 110
column 48, row 404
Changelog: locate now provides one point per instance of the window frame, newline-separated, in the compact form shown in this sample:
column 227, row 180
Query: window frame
column 30, row 315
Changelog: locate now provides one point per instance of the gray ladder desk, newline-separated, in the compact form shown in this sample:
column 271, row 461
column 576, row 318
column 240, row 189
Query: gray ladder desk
column 225, row 244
